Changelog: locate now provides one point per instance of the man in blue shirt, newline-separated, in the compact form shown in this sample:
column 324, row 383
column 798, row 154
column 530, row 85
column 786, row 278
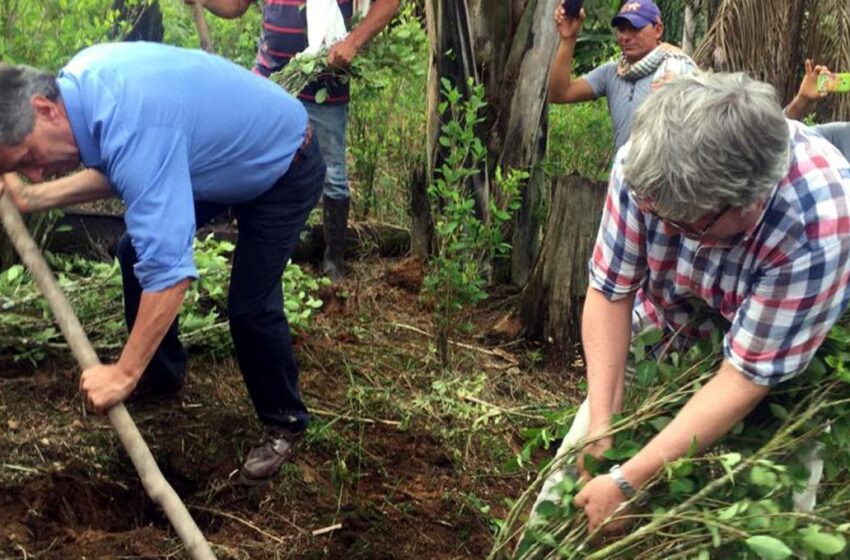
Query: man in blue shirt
column 180, row 136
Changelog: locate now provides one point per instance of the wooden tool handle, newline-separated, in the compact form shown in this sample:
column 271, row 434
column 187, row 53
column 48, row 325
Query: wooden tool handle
column 201, row 25
column 159, row 490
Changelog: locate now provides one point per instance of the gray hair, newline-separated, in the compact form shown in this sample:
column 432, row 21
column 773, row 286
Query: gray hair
column 705, row 141
column 18, row 84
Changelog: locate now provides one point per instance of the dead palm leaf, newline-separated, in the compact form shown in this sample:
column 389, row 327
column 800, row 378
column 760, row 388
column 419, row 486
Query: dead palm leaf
column 759, row 37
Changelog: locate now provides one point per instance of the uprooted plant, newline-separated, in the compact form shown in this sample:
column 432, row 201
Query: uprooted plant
column 734, row 501
column 395, row 48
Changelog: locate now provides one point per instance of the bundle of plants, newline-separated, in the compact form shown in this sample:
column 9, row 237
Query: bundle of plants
column 394, row 49
column 94, row 290
column 734, row 501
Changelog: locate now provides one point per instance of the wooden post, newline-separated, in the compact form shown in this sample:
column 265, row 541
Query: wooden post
column 201, row 25
column 152, row 479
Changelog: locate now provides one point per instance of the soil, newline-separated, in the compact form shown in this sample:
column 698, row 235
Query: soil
column 390, row 469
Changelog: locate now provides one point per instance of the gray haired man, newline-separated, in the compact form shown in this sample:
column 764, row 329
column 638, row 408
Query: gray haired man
column 718, row 202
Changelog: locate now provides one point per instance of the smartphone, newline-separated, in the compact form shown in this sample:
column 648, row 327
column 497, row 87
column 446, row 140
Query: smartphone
column 834, row 82
column 572, row 8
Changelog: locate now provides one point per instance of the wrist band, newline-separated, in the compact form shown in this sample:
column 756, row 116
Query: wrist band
column 625, row 487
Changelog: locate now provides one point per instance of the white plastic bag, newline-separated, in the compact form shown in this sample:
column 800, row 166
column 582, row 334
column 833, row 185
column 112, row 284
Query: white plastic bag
column 325, row 25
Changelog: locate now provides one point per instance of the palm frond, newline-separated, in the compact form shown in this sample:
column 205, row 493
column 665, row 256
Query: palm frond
column 759, row 37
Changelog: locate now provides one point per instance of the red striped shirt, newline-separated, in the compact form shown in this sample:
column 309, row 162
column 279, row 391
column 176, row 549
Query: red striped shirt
column 285, row 35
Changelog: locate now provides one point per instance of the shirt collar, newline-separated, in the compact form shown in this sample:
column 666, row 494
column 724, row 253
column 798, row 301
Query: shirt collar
column 89, row 150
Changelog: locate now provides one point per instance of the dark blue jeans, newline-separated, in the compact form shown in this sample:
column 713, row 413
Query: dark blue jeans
column 269, row 228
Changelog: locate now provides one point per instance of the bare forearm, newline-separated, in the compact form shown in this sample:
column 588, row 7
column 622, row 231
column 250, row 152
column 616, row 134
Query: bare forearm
column 606, row 333
column 799, row 108
column 227, row 9
column 711, row 413
column 83, row 186
column 560, row 74
column 157, row 310
column 379, row 15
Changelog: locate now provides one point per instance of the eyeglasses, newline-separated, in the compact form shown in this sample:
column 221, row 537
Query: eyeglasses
column 688, row 230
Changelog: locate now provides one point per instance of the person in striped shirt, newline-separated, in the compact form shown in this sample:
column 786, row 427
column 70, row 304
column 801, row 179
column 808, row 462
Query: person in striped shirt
column 284, row 34
column 717, row 203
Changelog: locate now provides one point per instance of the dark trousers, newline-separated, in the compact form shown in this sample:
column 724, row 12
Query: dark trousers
column 269, row 228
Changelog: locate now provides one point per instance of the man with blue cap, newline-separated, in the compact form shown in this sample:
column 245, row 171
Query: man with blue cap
column 645, row 63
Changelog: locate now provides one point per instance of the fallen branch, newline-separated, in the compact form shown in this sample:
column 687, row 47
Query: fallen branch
column 501, row 354
column 152, row 479
column 329, row 529
column 238, row 519
column 331, row 414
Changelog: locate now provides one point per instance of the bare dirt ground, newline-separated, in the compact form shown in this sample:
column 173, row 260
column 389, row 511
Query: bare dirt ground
column 403, row 460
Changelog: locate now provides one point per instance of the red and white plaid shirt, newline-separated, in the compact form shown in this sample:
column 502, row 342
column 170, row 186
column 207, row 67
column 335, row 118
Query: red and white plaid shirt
column 781, row 285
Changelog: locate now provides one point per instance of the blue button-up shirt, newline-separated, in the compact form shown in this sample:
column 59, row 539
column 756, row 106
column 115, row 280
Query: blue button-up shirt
column 169, row 126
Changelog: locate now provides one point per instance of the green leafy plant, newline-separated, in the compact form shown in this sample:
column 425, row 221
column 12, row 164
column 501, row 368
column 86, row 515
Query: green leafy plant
column 734, row 501
column 581, row 140
column 455, row 278
column 235, row 39
column 396, row 48
column 387, row 120
column 94, row 290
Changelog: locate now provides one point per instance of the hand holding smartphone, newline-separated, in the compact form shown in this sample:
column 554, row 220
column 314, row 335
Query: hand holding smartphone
column 832, row 82
column 572, row 8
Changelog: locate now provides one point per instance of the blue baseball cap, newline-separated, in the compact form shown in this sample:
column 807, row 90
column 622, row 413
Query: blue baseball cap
column 638, row 14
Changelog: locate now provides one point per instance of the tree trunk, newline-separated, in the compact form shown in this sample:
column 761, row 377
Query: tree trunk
column 550, row 305
column 525, row 241
column 523, row 124
column 422, row 223
column 689, row 28
column 452, row 58
column 510, row 46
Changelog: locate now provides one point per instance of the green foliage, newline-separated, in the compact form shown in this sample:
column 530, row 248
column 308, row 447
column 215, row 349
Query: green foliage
column 397, row 47
column 94, row 290
column 463, row 241
column 47, row 33
column 596, row 44
column 386, row 124
column 581, row 140
column 387, row 113
column 235, row 39
column 734, row 501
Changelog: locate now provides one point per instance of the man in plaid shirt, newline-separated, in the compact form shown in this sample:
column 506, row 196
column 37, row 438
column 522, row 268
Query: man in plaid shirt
column 719, row 203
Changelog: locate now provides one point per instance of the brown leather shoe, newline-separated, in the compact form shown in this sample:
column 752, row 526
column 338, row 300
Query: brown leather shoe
column 264, row 461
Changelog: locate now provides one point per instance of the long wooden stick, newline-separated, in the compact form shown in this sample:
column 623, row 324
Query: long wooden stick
column 201, row 24
column 152, row 479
